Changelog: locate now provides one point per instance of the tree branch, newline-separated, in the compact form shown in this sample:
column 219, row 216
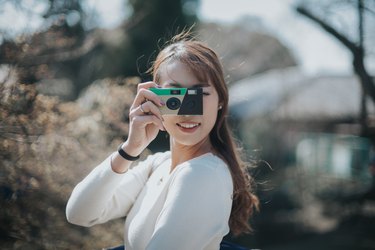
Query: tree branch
column 357, row 51
column 70, row 54
column 349, row 44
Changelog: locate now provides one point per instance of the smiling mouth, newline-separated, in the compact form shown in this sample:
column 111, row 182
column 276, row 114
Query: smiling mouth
column 188, row 125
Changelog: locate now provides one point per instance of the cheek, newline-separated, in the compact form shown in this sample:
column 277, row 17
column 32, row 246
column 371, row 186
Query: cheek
column 210, row 117
column 210, row 103
column 210, row 108
column 168, row 122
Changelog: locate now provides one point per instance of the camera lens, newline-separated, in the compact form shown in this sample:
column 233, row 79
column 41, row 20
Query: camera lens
column 190, row 104
column 173, row 103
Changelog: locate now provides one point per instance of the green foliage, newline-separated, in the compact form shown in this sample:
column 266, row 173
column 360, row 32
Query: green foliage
column 155, row 20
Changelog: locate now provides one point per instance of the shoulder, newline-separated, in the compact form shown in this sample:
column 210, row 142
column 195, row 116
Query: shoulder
column 204, row 183
column 207, row 164
column 206, row 170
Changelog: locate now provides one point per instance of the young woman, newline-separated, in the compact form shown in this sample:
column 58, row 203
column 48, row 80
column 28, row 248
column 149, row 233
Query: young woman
column 189, row 197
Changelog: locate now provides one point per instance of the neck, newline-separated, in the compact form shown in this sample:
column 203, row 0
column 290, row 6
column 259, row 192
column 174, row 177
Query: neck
column 181, row 153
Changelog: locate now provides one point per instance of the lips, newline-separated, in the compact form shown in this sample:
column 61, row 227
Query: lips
column 188, row 125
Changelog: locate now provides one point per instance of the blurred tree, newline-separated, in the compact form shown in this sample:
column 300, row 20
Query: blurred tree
column 246, row 50
column 69, row 48
column 56, row 48
column 331, row 15
column 159, row 19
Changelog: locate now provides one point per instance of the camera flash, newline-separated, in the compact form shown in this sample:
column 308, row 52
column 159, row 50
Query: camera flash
column 192, row 91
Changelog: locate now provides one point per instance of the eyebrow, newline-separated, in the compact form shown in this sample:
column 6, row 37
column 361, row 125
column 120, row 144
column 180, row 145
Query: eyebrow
column 198, row 85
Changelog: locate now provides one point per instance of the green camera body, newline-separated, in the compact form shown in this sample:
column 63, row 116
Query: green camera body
column 180, row 101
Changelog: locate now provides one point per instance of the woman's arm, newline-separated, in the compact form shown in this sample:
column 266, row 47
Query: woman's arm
column 104, row 195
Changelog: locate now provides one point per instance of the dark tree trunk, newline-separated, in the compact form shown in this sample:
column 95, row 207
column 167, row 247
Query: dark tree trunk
column 358, row 53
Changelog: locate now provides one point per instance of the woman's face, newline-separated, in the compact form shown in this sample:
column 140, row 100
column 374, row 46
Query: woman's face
column 189, row 130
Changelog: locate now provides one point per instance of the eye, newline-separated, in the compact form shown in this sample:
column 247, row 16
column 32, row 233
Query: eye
column 206, row 93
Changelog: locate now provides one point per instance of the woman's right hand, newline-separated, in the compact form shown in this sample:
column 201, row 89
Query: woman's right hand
column 145, row 119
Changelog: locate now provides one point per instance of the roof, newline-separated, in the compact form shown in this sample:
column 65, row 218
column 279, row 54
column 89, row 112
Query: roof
column 288, row 94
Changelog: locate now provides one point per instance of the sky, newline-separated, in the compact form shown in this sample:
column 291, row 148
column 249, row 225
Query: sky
column 315, row 50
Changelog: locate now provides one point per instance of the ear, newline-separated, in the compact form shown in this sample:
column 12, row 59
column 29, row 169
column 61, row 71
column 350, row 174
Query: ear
column 220, row 106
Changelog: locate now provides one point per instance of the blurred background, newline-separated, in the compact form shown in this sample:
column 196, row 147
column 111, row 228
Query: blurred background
column 302, row 95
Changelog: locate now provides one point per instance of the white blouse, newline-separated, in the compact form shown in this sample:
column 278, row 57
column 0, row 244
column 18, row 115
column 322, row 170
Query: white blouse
column 188, row 208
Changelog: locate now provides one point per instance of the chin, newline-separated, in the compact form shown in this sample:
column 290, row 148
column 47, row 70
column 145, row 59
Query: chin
column 188, row 141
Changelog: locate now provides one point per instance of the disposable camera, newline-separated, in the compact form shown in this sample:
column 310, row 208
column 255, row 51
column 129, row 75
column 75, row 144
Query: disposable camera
column 180, row 101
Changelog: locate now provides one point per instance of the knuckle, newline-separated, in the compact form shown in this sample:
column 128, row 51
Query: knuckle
column 133, row 119
column 132, row 113
column 155, row 118
column 144, row 85
column 140, row 85
column 141, row 91
column 146, row 105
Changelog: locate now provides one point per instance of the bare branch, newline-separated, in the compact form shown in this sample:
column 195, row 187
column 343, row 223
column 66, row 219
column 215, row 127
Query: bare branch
column 349, row 44
column 89, row 43
column 53, row 55
column 357, row 51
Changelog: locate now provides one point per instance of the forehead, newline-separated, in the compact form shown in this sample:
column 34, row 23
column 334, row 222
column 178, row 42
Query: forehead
column 176, row 71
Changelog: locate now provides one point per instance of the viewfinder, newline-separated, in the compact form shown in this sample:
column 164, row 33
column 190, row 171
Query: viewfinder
column 175, row 92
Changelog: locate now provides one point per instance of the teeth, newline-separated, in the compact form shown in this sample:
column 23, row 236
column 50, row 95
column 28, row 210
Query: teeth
column 188, row 125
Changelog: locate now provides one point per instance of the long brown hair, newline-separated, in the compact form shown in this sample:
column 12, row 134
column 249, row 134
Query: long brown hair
column 206, row 66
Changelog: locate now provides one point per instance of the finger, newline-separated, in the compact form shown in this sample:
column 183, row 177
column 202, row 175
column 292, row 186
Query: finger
column 148, row 108
column 145, row 95
column 143, row 111
column 143, row 121
column 146, row 85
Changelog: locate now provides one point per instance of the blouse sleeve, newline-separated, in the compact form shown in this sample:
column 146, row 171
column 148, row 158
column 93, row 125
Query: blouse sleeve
column 104, row 195
column 197, row 208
